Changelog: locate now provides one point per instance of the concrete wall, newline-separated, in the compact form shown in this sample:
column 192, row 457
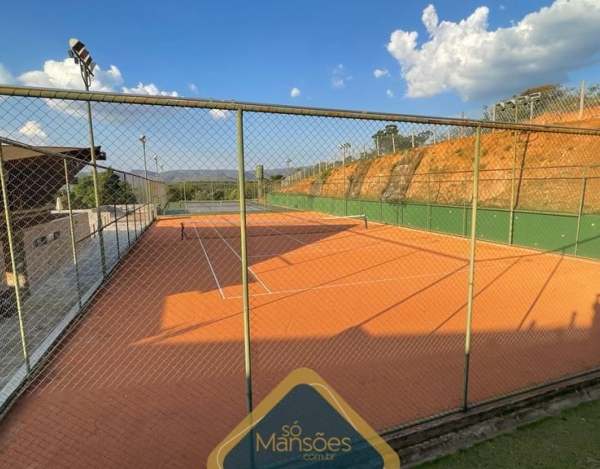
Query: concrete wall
column 44, row 256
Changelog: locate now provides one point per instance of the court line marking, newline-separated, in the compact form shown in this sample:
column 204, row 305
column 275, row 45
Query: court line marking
column 311, row 245
column 238, row 256
column 490, row 266
column 210, row 264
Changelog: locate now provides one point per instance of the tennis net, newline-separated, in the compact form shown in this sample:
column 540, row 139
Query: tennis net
column 222, row 227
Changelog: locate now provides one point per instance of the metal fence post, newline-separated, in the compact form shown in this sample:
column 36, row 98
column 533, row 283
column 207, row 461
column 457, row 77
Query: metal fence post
column 429, row 201
column 465, row 390
column 96, row 189
column 72, row 231
column 126, row 211
column 511, row 221
column 117, row 231
column 581, row 99
column 580, row 212
column 244, row 256
column 465, row 203
column 13, row 260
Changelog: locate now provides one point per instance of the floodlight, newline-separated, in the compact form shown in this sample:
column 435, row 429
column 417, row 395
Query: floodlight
column 535, row 96
column 80, row 52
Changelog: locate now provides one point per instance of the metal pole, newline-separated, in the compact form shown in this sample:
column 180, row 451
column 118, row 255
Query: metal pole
column 184, row 197
column 72, row 231
column 117, row 231
column 147, row 204
column 126, row 211
column 531, row 111
column 465, row 204
column 244, row 256
column 393, row 144
column 13, row 260
column 471, row 268
column 95, row 175
column 493, row 114
column 511, row 220
column 344, row 170
column 581, row 99
column 580, row 213
column 428, row 201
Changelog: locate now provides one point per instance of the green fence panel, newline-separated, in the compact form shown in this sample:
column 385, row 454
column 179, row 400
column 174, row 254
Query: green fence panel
column 337, row 206
column 319, row 204
column 589, row 237
column 372, row 209
column 355, row 207
column 416, row 216
column 552, row 232
column 492, row 224
column 447, row 219
column 390, row 213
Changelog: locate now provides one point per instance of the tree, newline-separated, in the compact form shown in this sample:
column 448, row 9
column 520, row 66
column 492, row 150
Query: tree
column 389, row 140
column 111, row 188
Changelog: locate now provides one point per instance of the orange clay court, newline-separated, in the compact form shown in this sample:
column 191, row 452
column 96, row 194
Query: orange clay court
column 153, row 376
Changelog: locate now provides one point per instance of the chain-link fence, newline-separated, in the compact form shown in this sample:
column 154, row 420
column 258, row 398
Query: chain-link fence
column 146, row 311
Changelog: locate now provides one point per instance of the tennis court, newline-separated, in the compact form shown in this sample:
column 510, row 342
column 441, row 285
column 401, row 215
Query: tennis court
column 153, row 376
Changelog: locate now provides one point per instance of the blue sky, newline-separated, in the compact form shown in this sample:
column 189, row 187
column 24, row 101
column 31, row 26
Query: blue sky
column 255, row 50
column 396, row 56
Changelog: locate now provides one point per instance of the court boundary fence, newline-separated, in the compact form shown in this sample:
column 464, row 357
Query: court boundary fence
column 149, row 207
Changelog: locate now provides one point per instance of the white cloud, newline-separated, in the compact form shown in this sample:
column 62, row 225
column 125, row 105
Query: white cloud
column 339, row 76
column 66, row 75
column 381, row 73
column 5, row 77
column 543, row 47
column 502, row 7
column 295, row 92
column 337, row 82
column 193, row 88
column 149, row 89
column 219, row 114
column 389, row 93
column 33, row 133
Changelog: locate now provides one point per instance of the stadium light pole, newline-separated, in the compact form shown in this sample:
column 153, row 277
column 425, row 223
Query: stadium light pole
column 78, row 52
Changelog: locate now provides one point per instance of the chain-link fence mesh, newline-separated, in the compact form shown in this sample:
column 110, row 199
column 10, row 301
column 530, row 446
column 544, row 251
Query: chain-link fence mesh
column 124, row 324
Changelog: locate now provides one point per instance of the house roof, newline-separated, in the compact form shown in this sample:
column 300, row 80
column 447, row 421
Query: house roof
column 11, row 153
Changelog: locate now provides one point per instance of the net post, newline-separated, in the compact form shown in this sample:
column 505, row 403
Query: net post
column 465, row 390
column 13, row 260
column 72, row 231
column 244, row 256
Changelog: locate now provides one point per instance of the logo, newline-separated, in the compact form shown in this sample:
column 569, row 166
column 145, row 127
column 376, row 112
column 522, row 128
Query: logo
column 303, row 423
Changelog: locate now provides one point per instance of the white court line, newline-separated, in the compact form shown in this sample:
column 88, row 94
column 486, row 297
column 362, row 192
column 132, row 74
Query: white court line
column 210, row 264
column 311, row 245
column 238, row 256
column 369, row 282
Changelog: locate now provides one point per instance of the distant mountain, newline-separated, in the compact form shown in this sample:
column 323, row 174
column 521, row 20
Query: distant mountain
column 209, row 174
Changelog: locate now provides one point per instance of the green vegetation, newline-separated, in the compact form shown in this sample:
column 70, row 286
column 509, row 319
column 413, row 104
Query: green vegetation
column 112, row 189
column 571, row 439
column 216, row 190
column 390, row 140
